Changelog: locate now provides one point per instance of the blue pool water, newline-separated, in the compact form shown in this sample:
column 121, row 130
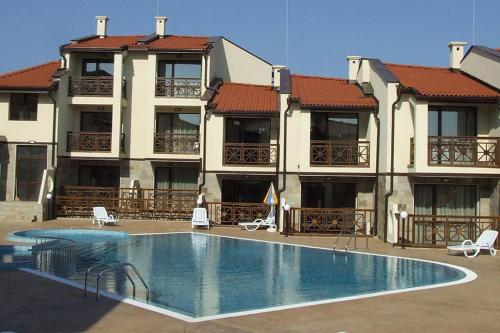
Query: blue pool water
column 202, row 275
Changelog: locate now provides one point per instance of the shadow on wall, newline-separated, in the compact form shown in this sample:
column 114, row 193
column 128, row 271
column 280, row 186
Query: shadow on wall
column 4, row 162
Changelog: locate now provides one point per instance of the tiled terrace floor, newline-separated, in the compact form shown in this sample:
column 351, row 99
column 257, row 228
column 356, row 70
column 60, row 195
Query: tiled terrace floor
column 32, row 304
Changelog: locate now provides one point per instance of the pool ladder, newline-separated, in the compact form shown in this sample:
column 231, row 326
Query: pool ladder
column 117, row 265
column 346, row 248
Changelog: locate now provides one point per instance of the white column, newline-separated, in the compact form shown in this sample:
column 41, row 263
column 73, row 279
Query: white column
column 117, row 104
column 421, row 134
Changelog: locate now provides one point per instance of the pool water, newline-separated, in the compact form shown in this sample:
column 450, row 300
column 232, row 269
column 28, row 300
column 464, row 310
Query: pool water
column 201, row 275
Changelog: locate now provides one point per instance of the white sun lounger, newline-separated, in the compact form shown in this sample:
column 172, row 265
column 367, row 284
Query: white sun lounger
column 101, row 217
column 269, row 222
column 485, row 242
column 200, row 218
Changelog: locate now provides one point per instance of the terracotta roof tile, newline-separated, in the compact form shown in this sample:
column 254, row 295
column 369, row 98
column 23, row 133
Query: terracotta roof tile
column 440, row 82
column 168, row 43
column 238, row 97
column 108, row 42
column 315, row 91
column 36, row 77
column 177, row 43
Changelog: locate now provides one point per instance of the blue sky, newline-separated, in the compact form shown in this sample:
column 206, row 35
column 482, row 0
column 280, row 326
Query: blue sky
column 321, row 32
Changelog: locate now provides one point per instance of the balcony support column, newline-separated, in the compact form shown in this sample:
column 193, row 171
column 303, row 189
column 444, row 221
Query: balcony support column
column 117, row 104
column 421, row 151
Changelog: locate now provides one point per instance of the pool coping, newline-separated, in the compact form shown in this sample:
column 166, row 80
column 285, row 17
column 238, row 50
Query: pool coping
column 469, row 276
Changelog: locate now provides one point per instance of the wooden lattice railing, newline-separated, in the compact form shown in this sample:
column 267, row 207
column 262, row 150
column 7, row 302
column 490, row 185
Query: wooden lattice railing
column 444, row 230
column 129, row 203
column 232, row 213
column 464, row 151
column 90, row 86
column 176, row 87
column 340, row 153
column 170, row 143
column 259, row 154
column 88, row 141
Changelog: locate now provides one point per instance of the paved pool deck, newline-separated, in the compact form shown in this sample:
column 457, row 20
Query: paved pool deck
column 32, row 304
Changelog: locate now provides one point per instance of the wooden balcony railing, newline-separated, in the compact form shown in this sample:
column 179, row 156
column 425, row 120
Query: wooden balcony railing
column 331, row 220
column 170, row 143
column 91, row 86
column 129, row 203
column 464, row 151
column 232, row 213
column 260, row 154
column 444, row 230
column 340, row 153
column 88, row 141
column 173, row 87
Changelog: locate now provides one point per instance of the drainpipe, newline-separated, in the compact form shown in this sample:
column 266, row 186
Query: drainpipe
column 377, row 167
column 391, row 188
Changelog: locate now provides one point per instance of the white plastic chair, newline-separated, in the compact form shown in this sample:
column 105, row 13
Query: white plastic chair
column 200, row 218
column 269, row 222
column 101, row 217
column 485, row 242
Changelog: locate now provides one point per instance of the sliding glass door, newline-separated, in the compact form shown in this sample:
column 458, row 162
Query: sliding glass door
column 176, row 178
column 438, row 199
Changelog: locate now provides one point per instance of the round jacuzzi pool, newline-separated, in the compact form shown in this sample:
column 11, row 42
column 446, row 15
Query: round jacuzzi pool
column 78, row 235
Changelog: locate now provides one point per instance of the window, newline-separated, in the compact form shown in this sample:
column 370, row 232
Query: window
column 244, row 190
column 99, row 175
column 31, row 161
column 178, row 123
column 96, row 122
column 23, row 107
column 176, row 178
column 438, row 199
column 180, row 70
column 97, row 67
column 328, row 195
column 452, row 121
column 248, row 130
column 334, row 126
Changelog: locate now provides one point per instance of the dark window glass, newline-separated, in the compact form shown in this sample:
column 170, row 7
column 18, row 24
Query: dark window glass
column 438, row 199
column 185, row 178
column 31, row 162
column 248, row 130
column 178, row 123
column 334, row 126
column 181, row 70
column 96, row 122
column 451, row 121
column 99, row 175
column 244, row 190
column 328, row 195
column 23, row 106
column 96, row 67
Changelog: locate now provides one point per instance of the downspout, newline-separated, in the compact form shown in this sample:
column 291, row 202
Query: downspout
column 377, row 167
column 391, row 188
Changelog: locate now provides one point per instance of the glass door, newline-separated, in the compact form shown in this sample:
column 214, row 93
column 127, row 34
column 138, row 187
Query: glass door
column 31, row 161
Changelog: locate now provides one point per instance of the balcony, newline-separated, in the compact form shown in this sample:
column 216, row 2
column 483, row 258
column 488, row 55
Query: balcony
column 251, row 154
column 88, row 142
column 463, row 151
column 93, row 86
column 340, row 153
column 169, row 143
column 173, row 87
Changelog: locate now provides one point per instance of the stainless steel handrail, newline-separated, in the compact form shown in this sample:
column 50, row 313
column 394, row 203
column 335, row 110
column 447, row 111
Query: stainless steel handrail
column 121, row 265
column 91, row 268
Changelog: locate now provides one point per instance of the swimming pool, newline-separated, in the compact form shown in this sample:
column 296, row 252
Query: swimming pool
column 198, row 276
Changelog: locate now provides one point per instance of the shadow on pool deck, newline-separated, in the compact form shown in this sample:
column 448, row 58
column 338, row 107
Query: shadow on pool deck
column 32, row 304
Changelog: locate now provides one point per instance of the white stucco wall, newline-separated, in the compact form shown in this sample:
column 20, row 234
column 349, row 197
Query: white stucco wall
column 483, row 66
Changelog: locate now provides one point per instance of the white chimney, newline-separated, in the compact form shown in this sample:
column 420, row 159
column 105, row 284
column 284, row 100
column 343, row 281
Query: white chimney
column 456, row 54
column 161, row 22
column 102, row 26
column 354, row 62
column 277, row 75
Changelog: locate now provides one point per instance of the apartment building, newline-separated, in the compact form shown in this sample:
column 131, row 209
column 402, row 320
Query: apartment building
column 144, row 124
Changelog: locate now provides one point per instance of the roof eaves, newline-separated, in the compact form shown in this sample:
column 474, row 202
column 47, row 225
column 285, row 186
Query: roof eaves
column 84, row 38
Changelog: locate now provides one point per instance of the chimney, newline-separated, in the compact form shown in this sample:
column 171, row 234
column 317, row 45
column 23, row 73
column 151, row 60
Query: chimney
column 161, row 22
column 102, row 26
column 354, row 62
column 277, row 76
column 456, row 54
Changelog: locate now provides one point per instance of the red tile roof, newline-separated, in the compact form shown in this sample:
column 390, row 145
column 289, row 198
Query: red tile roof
column 245, row 98
column 177, row 43
column 168, row 43
column 36, row 77
column 440, row 82
column 105, row 43
column 315, row 91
